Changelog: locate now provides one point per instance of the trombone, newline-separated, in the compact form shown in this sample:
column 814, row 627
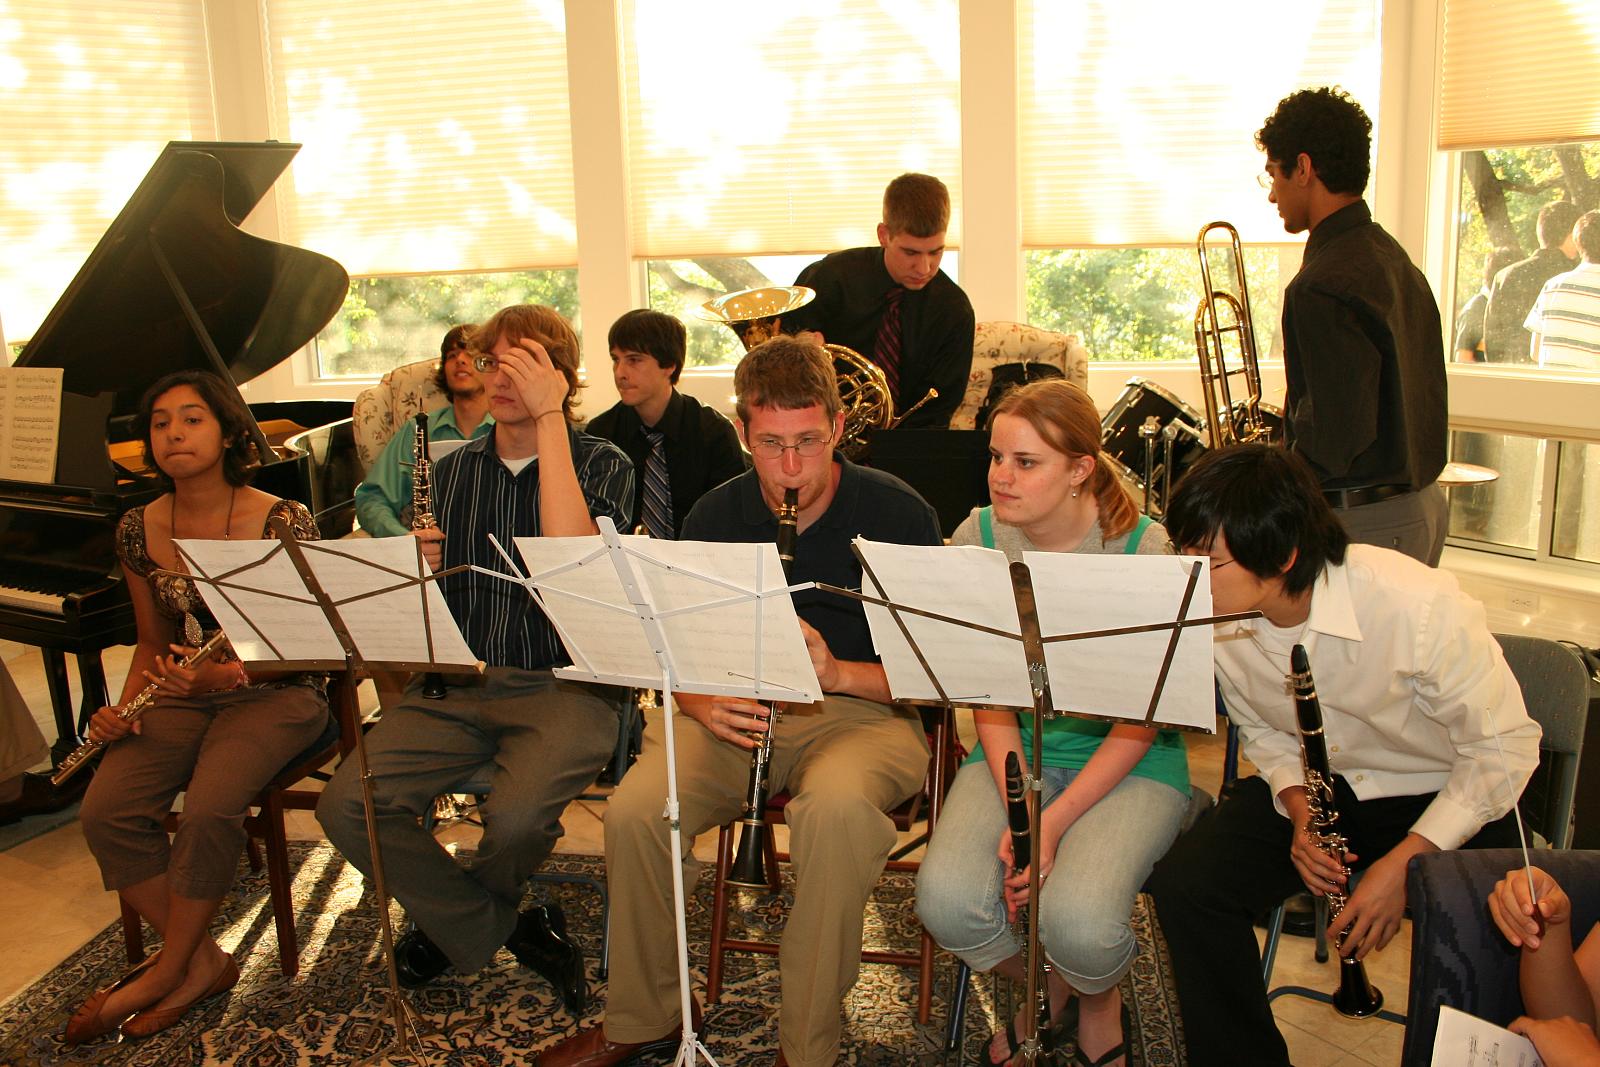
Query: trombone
column 1220, row 317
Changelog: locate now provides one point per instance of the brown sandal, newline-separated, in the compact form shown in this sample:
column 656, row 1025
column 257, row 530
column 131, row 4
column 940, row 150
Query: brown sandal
column 153, row 1021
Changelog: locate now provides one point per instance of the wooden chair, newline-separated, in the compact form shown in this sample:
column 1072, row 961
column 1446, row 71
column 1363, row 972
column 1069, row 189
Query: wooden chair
column 945, row 756
column 267, row 824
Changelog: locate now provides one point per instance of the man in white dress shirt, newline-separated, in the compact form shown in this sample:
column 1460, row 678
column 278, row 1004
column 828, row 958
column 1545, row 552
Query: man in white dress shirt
column 1413, row 689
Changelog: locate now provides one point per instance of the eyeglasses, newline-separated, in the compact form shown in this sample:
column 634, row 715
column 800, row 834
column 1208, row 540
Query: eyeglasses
column 1265, row 181
column 1177, row 550
column 807, row 447
column 485, row 363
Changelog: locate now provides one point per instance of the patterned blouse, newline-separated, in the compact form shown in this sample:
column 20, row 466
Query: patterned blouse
column 176, row 595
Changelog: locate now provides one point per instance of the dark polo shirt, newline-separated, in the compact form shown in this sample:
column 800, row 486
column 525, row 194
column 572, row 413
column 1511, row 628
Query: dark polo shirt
column 868, row 503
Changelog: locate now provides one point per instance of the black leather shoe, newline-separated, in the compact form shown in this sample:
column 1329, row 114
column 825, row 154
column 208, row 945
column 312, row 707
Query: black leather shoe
column 540, row 941
column 417, row 960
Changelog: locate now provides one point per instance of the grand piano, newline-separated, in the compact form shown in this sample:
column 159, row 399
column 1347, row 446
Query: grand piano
column 174, row 284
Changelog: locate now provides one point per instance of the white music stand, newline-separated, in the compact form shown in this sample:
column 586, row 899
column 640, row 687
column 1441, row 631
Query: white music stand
column 345, row 606
column 636, row 611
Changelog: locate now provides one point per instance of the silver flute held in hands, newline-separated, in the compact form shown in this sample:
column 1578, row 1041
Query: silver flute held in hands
column 1356, row 996
column 749, row 865
column 131, row 711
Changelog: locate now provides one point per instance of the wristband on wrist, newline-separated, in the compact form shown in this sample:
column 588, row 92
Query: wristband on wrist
column 552, row 411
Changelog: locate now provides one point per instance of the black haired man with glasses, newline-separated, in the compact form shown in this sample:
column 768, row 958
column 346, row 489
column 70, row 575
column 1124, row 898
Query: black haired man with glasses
column 845, row 761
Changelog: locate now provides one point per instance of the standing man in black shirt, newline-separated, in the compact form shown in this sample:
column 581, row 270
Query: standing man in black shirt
column 845, row 761
column 1363, row 348
column 679, row 447
column 891, row 303
column 1514, row 289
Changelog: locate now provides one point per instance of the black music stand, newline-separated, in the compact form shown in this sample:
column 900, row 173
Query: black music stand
column 299, row 646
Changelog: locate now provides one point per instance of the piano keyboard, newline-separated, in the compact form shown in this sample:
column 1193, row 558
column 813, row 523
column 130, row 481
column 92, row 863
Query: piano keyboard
column 28, row 600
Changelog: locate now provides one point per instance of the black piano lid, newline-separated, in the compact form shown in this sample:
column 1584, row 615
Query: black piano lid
column 122, row 322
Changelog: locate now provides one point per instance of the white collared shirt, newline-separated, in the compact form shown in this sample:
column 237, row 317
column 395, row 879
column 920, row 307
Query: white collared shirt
column 1412, row 685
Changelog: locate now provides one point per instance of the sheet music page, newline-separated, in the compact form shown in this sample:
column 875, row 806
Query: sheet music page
column 260, row 626
column 713, row 650
column 389, row 627
column 1464, row 1040
column 963, row 582
column 1114, row 677
column 30, row 422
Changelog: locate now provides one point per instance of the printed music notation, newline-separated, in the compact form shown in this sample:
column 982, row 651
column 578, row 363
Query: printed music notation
column 1111, row 677
column 1464, row 1040
column 720, row 638
column 30, row 423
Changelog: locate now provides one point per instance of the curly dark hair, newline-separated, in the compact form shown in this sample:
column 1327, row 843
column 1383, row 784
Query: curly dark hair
column 1330, row 127
column 458, row 337
column 240, row 459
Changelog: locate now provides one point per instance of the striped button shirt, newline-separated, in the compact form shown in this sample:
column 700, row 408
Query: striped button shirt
column 476, row 495
column 1567, row 319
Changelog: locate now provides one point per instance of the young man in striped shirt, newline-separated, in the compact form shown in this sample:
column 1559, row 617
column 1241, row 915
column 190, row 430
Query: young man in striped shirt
column 538, row 741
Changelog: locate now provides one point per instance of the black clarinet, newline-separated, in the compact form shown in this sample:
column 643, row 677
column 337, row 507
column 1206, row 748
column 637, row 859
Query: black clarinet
column 422, row 519
column 1356, row 995
column 1021, row 850
column 749, row 863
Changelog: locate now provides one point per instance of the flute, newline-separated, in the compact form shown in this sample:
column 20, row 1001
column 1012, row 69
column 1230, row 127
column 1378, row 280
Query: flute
column 130, row 712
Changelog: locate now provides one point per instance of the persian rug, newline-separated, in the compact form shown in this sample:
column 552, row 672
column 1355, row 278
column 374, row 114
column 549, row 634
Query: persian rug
column 335, row 1011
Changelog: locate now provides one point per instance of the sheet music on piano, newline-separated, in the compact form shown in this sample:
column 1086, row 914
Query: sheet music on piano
column 30, row 423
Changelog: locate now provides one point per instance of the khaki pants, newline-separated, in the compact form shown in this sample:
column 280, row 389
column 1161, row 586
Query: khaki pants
column 845, row 761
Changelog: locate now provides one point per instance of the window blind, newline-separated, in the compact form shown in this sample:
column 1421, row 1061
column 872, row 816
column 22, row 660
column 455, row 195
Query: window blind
column 86, row 102
column 435, row 135
column 773, row 128
column 1519, row 72
column 1137, row 118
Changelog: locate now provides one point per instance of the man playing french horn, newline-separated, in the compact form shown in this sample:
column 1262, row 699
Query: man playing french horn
column 1416, row 702
column 845, row 761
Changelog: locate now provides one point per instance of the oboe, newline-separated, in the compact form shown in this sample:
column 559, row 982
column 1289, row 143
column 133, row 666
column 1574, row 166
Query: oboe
column 422, row 519
column 1356, row 995
column 749, row 866
column 130, row 712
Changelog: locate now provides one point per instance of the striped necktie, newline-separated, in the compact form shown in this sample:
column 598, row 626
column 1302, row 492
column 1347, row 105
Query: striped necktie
column 886, row 350
column 657, row 510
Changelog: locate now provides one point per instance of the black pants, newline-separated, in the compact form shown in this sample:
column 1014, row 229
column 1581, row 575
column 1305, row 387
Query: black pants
column 1232, row 866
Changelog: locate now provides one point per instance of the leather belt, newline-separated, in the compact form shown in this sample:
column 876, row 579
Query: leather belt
column 1363, row 494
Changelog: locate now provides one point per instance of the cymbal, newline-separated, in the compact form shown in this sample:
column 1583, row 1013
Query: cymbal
column 1456, row 474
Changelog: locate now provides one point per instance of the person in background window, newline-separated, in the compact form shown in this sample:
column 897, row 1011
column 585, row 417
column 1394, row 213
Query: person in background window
column 891, row 303
column 1469, row 323
column 1560, row 986
column 1511, row 295
column 1362, row 349
column 383, row 499
column 680, row 448
column 1565, row 320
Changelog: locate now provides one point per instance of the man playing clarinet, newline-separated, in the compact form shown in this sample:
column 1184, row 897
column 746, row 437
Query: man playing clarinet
column 844, row 761
column 1413, row 690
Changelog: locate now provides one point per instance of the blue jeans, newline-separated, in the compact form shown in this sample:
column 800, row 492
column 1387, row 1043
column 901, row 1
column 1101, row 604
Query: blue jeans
column 1086, row 901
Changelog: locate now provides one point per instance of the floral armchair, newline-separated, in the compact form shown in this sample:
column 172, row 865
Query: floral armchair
column 997, row 343
column 383, row 408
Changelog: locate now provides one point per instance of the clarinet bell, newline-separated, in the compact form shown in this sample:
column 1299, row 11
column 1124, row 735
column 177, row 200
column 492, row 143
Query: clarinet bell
column 749, row 869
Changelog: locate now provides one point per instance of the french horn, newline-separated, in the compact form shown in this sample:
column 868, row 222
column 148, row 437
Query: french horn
column 756, row 315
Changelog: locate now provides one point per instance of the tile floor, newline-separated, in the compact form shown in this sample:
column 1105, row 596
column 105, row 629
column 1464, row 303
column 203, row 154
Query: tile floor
column 54, row 902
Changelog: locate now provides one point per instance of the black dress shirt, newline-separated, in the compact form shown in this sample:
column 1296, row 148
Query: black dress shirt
column 702, row 451
column 475, row 495
column 1511, row 297
column 867, row 502
column 1364, row 359
column 936, row 327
